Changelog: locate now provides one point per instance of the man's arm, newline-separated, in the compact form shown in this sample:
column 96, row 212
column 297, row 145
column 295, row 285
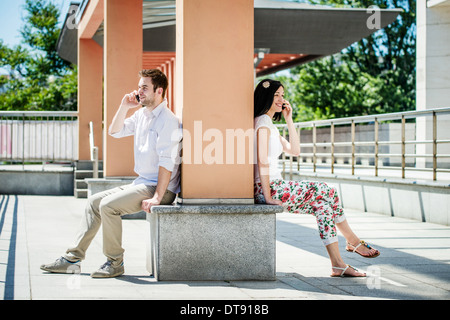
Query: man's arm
column 168, row 150
column 128, row 102
column 163, row 181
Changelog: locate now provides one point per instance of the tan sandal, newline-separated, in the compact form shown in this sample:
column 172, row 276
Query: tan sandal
column 342, row 275
column 365, row 244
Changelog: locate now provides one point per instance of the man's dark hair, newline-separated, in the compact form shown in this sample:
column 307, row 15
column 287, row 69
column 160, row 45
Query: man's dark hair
column 159, row 79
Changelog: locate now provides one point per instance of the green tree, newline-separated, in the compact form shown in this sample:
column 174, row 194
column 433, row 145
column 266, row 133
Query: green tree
column 374, row 75
column 328, row 89
column 38, row 78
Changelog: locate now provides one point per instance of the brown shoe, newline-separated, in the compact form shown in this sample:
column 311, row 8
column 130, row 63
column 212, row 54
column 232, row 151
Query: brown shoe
column 107, row 270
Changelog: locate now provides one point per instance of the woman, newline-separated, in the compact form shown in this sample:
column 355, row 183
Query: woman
column 298, row 196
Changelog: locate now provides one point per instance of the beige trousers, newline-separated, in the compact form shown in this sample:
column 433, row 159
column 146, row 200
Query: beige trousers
column 106, row 208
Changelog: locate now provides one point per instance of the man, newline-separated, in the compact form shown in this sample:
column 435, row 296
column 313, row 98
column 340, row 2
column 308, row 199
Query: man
column 157, row 137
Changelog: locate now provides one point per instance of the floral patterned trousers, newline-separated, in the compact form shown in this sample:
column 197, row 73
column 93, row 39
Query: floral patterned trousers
column 308, row 197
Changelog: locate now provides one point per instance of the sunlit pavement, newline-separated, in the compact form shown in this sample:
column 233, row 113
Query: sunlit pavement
column 414, row 261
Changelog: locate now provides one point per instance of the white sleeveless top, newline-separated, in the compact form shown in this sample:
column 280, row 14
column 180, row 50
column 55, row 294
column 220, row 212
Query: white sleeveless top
column 275, row 148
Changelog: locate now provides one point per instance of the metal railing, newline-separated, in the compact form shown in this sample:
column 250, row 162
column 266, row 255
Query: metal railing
column 45, row 136
column 414, row 140
column 94, row 151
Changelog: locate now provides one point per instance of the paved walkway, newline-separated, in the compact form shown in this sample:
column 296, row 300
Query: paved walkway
column 414, row 264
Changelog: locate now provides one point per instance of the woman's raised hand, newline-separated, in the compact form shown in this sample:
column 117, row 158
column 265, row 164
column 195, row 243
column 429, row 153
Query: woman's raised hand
column 287, row 110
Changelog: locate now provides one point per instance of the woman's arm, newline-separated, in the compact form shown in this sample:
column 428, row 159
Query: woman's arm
column 263, row 135
column 291, row 147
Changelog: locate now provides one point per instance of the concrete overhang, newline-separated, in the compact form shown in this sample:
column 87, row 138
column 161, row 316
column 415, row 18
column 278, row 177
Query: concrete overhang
column 437, row 3
column 286, row 33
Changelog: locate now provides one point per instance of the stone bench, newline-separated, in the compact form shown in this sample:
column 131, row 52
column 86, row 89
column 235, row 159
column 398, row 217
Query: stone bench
column 212, row 242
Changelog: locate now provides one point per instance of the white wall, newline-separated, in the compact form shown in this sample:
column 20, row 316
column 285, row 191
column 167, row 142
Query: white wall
column 433, row 68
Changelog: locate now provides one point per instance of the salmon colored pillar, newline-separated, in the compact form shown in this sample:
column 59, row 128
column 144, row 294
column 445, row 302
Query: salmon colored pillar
column 214, row 94
column 90, row 96
column 123, row 49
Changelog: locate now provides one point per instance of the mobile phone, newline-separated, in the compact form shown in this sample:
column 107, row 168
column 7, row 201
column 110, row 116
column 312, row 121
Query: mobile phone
column 283, row 106
column 137, row 98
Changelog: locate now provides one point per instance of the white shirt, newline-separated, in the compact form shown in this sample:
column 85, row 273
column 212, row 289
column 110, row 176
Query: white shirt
column 275, row 147
column 157, row 136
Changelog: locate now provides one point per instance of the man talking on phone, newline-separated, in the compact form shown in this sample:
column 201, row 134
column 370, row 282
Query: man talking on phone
column 157, row 137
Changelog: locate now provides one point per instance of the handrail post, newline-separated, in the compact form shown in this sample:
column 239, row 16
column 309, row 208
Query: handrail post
column 403, row 146
column 353, row 147
column 291, row 159
column 332, row 147
column 314, row 147
column 95, row 165
column 94, row 151
column 299, row 156
column 434, row 146
column 376, row 147
column 23, row 141
column 283, row 155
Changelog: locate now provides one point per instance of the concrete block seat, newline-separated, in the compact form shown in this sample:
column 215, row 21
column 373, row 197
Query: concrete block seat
column 212, row 242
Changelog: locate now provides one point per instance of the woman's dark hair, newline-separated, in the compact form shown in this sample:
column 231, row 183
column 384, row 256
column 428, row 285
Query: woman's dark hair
column 263, row 97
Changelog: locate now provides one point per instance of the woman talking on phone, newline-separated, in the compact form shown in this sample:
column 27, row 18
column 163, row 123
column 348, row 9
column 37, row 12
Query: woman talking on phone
column 303, row 197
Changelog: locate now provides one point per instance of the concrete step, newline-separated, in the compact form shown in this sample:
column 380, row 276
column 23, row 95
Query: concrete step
column 80, row 184
column 81, row 194
column 87, row 165
column 83, row 170
column 82, row 174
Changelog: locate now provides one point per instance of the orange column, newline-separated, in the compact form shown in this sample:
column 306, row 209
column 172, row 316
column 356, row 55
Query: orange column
column 173, row 86
column 122, row 62
column 90, row 96
column 169, row 74
column 214, row 87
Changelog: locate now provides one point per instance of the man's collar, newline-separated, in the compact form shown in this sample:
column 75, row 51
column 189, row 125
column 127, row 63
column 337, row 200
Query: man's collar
column 155, row 112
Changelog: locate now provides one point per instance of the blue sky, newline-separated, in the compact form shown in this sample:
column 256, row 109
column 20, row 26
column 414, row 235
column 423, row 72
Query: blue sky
column 11, row 18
